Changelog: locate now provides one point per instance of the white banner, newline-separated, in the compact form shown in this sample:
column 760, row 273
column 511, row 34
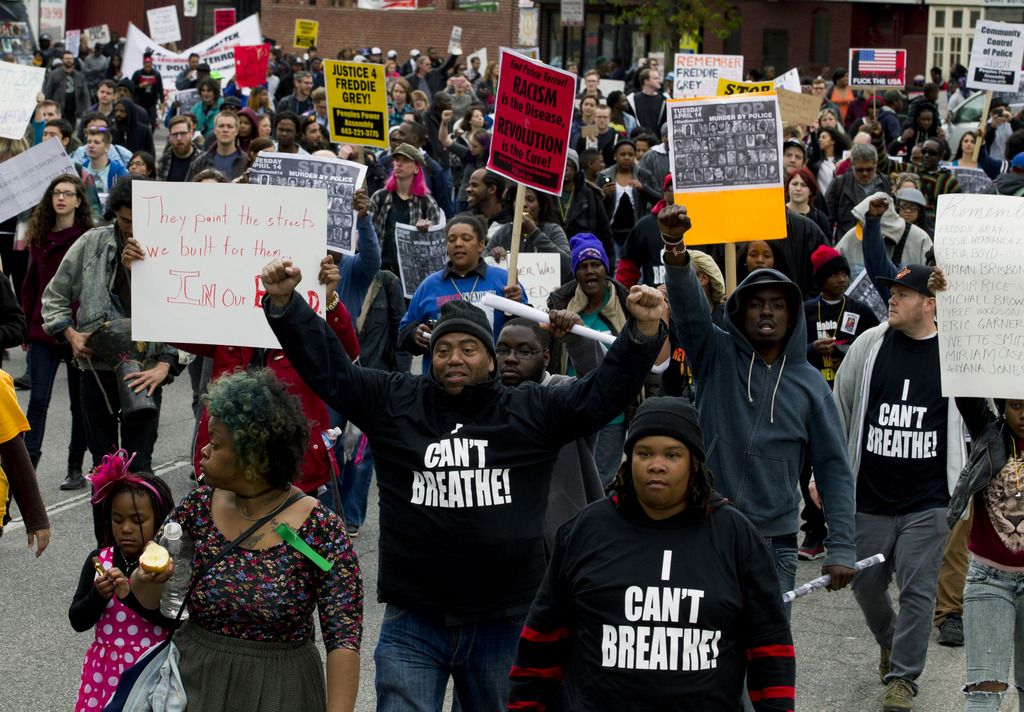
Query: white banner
column 19, row 85
column 205, row 249
column 218, row 51
column 978, row 243
column 24, row 178
column 163, row 24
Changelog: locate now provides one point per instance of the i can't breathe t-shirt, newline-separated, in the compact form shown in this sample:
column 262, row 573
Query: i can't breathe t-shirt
column 903, row 445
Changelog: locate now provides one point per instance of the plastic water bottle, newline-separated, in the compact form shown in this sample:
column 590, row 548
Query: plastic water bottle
column 179, row 546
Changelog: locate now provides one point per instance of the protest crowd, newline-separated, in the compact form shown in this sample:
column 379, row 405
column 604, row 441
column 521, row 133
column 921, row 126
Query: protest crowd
column 565, row 522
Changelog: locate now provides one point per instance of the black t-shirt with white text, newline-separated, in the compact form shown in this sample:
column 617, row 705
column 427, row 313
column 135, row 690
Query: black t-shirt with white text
column 843, row 320
column 903, row 443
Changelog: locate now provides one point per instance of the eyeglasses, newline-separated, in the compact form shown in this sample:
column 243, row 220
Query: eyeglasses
column 64, row 194
column 136, row 162
column 179, row 134
column 504, row 352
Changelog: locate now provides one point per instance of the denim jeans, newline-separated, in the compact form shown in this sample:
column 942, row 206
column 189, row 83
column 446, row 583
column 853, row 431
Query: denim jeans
column 784, row 551
column 355, row 484
column 608, row 451
column 912, row 544
column 416, row 655
column 993, row 633
column 43, row 362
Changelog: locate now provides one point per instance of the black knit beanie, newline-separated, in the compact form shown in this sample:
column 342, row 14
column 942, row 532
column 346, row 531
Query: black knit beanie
column 671, row 417
column 459, row 316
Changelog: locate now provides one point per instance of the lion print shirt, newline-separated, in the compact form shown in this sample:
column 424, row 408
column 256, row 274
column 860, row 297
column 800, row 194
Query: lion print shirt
column 997, row 534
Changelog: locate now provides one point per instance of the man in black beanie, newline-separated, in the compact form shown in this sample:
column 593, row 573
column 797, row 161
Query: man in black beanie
column 676, row 612
column 464, row 467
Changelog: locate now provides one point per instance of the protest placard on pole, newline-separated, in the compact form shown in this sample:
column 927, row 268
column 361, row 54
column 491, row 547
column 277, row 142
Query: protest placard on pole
column 540, row 273
column 698, row 74
column 978, row 243
column 878, row 68
column 725, row 155
column 996, row 56
column 251, row 65
column 572, row 13
column 73, row 41
column 52, row 16
column 24, row 178
column 339, row 178
column 357, row 103
column 420, row 254
column 529, row 145
column 306, row 32
column 455, row 41
column 19, row 85
column 205, row 249
column 217, row 51
column 797, row 107
column 190, row 8
column 163, row 24
column 730, row 87
column 223, row 18
column 100, row 34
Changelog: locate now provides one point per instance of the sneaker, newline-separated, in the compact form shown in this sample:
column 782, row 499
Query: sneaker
column 353, row 532
column 899, row 696
column 810, row 551
column 884, row 657
column 951, row 632
column 22, row 383
column 74, row 479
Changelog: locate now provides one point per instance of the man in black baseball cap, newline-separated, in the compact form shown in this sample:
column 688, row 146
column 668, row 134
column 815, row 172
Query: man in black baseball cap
column 904, row 442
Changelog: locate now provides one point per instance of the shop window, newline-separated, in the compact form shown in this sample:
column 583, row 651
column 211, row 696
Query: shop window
column 775, row 50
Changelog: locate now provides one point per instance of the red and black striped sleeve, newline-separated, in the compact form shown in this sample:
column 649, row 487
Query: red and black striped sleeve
column 546, row 641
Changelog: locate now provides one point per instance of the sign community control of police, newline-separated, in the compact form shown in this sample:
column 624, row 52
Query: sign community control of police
column 532, row 117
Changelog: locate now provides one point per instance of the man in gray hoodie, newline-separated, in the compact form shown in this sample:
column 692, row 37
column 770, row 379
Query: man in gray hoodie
column 763, row 408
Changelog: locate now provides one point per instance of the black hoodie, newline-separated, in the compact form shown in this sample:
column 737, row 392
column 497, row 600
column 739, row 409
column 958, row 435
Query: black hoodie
column 131, row 133
column 463, row 479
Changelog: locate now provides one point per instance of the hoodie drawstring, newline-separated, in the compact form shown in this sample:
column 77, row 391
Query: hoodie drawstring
column 776, row 389
column 750, row 374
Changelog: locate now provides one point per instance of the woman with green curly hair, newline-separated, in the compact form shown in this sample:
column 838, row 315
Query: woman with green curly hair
column 248, row 643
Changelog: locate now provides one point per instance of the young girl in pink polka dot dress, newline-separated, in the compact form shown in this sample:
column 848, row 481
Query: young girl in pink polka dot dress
column 134, row 505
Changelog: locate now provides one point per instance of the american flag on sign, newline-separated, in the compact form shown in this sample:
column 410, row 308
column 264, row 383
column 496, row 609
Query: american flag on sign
column 877, row 60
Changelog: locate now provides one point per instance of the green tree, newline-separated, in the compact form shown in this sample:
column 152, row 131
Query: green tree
column 668, row 20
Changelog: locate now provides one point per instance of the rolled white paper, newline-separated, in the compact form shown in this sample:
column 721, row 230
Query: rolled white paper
column 823, row 581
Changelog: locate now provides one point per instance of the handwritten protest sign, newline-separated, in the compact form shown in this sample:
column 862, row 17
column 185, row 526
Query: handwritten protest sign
column 24, row 178
column 163, row 24
column 251, row 65
column 306, row 32
column 223, row 18
column 52, row 15
column 100, row 34
column 789, row 81
column 996, row 56
column 204, row 252
column 532, row 117
column 878, row 68
column 729, row 87
column 725, row 153
column 73, row 41
column 357, row 103
column 539, row 273
column 339, row 178
column 218, row 51
column 798, row 108
column 979, row 245
column 698, row 74
column 18, row 88
column 420, row 254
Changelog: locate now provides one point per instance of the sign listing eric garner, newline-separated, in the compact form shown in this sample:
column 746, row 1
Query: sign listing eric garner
column 205, row 249
column 532, row 118
column 979, row 245
column 357, row 103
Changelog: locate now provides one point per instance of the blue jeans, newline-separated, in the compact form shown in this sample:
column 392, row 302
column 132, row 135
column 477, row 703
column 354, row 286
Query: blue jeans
column 608, row 451
column 415, row 656
column 355, row 484
column 784, row 552
column 993, row 633
column 43, row 362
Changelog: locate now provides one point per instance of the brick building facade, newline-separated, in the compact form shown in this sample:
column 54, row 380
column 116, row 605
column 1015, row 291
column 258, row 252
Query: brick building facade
column 401, row 30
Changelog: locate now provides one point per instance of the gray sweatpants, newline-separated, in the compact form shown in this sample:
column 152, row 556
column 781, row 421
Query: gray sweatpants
column 912, row 545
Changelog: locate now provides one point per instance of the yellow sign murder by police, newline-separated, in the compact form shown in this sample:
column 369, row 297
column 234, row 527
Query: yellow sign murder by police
column 305, row 33
column 357, row 103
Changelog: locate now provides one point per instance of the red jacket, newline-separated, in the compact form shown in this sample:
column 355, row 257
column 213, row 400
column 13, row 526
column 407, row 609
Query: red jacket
column 316, row 466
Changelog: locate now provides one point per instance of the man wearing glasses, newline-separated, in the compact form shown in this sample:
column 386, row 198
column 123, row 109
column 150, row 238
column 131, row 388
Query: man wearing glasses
column 935, row 181
column 174, row 164
column 853, row 187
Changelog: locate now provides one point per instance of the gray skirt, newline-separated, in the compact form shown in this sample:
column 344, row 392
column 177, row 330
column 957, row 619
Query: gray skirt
column 223, row 674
